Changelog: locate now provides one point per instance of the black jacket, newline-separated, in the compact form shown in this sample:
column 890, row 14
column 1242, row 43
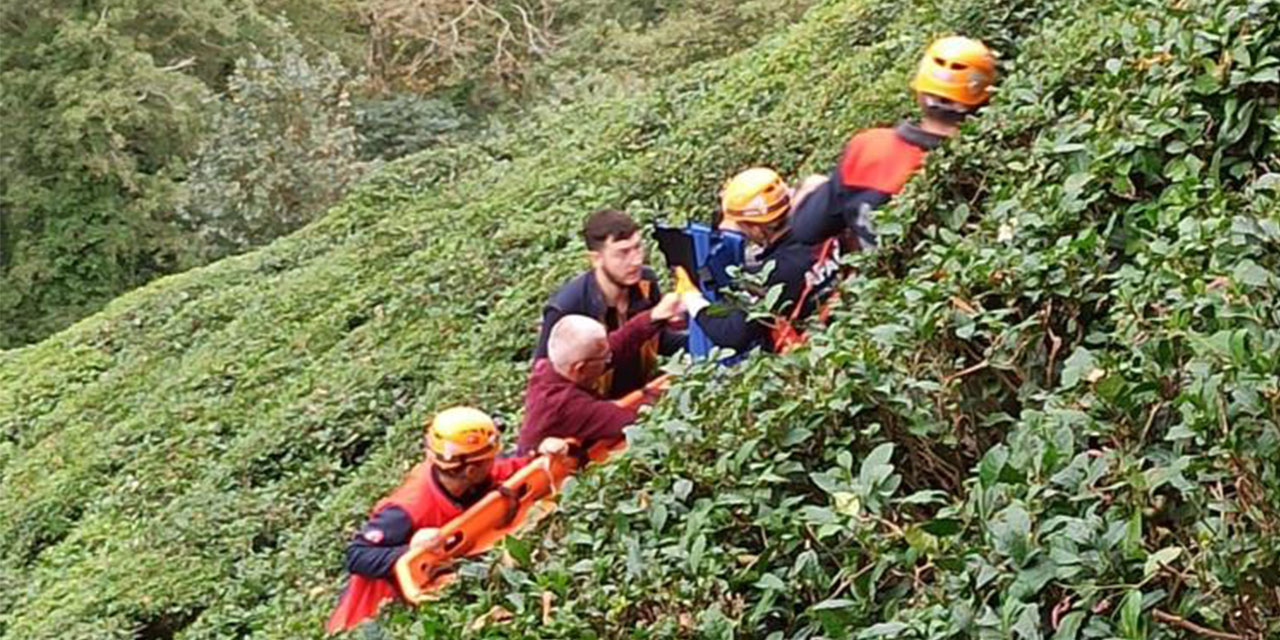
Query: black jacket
column 795, row 262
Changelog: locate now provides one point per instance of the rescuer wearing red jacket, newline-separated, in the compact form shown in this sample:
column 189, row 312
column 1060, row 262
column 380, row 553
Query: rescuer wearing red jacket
column 953, row 81
column 462, row 466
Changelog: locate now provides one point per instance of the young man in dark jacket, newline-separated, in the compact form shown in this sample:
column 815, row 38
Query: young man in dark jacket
column 618, row 287
column 953, row 81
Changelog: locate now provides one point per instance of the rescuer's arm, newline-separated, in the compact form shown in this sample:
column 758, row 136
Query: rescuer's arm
column 374, row 550
column 729, row 326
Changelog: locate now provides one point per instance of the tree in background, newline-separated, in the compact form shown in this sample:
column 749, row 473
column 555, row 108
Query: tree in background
column 282, row 147
column 96, row 132
column 429, row 44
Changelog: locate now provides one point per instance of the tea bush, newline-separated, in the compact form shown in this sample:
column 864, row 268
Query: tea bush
column 1047, row 408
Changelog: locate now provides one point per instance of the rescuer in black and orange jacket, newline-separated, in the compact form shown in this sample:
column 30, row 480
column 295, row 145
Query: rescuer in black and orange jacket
column 618, row 287
column 758, row 204
column 953, row 81
column 462, row 466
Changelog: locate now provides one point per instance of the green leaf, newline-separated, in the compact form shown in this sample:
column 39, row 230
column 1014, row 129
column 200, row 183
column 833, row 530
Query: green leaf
column 770, row 582
column 818, row 515
column 942, row 527
column 834, row 604
column 1133, row 536
column 878, row 456
column 1079, row 365
column 1249, row 272
column 825, row 482
column 875, row 467
column 1131, row 615
column 695, row 552
column 1011, row 530
column 519, row 549
column 1027, row 626
column 1164, row 556
column 795, row 436
column 883, row 630
column 1270, row 75
column 992, row 464
column 658, row 517
column 635, row 563
column 1069, row 626
column 681, row 489
column 1268, row 181
column 927, row 496
column 847, row 503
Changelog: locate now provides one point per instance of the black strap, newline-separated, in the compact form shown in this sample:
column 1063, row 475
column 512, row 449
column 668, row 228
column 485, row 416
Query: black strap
column 513, row 504
column 919, row 137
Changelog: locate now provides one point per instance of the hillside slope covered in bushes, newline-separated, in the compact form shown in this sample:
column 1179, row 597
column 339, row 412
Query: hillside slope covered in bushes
column 1047, row 408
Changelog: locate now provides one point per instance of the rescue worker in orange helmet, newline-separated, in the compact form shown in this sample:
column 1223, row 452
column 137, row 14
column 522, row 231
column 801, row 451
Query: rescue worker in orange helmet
column 462, row 465
column 758, row 203
column 952, row 82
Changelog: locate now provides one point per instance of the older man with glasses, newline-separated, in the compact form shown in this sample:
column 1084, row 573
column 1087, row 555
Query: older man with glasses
column 561, row 400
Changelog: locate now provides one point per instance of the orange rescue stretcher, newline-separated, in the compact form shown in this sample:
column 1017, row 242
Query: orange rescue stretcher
column 424, row 570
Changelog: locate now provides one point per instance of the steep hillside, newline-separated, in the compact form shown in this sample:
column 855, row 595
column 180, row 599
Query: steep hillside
column 1050, row 403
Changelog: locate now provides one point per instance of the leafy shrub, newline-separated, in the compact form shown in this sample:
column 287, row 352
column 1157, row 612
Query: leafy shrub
column 282, row 148
column 1047, row 408
column 403, row 123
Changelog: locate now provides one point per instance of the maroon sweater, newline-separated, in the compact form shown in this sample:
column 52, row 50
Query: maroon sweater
column 556, row 407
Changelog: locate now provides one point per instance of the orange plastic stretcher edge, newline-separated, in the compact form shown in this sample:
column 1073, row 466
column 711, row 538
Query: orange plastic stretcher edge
column 426, row 569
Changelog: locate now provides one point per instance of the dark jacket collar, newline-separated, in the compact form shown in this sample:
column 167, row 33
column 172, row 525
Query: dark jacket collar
column 774, row 246
column 914, row 135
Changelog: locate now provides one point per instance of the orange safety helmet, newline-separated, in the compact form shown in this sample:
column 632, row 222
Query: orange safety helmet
column 462, row 434
column 957, row 68
column 757, row 196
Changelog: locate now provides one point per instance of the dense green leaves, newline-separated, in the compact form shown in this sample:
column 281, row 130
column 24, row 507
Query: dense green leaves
column 1045, row 409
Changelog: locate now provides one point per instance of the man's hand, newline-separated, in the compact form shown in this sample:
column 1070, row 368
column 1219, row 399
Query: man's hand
column 694, row 302
column 667, row 308
column 422, row 536
column 553, row 447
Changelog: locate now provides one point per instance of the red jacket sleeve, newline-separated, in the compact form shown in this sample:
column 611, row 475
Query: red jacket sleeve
column 594, row 419
column 505, row 467
column 625, row 343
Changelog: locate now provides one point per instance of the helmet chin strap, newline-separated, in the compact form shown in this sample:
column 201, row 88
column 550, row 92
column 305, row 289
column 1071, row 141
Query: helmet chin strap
column 945, row 110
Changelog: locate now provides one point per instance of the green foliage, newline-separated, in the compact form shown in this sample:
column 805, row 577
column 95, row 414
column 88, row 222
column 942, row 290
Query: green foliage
column 1047, row 408
column 282, row 148
column 103, row 108
column 108, row 104
column 401, row 124
column 94, row 134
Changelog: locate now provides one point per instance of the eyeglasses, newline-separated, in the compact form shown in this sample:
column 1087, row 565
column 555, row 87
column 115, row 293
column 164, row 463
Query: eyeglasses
column 607, row 359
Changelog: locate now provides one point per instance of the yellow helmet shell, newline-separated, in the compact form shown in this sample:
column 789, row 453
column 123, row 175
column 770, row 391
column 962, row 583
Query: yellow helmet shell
column 758, row 196
column 459, row 433
column 957, row 68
